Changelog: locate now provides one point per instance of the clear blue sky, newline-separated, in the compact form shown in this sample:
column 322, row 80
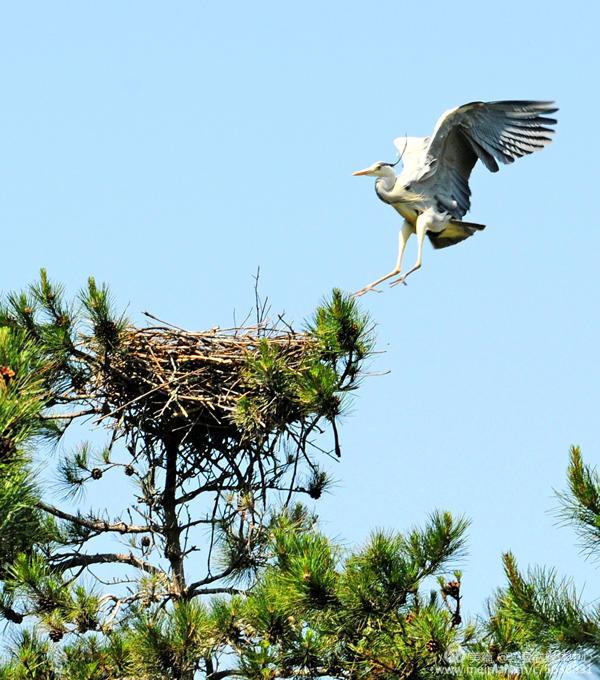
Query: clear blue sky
column 171, row 148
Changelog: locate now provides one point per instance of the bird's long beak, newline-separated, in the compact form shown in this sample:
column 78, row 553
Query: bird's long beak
column 366, row 171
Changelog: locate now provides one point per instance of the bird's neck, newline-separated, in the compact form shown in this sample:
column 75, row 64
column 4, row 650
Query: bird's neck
column 385, row 184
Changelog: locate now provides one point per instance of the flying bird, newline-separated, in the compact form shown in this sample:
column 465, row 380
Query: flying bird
column 432, row 192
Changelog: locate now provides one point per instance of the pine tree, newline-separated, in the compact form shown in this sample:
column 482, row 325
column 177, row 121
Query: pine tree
column 542, row 611
column 215, row 569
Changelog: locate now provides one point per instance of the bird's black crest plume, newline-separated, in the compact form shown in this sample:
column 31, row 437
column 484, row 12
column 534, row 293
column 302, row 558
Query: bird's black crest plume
column 393, row 165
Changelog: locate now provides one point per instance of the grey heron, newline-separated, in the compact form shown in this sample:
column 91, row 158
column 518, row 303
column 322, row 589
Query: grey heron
column 432, row 192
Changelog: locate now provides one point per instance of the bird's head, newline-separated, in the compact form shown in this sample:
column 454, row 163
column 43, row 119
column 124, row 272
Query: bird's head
column 378, row 169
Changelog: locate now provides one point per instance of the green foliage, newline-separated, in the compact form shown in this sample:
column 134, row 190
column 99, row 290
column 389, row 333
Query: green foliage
column 23, row 396
column 21, row 524
column 284, row 393
column 308, row 567
column 87, row 658
column 32, row 580
column 341, row 329
column 581, row 503
column 107, row 327
column 239, row 555
column 540, row 610
column 309, row 614
column 383, row 615
column 74, row 470
column 84, row 660
column 31, row 658
column 316, row 611
column 317, row 390
column 22, row 392
column 548, row 608
column 471, row 668
column 53, row 328
column 271, row 390
column 170, row 644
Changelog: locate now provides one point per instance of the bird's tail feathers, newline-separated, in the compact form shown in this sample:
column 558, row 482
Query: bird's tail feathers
column 455, row 232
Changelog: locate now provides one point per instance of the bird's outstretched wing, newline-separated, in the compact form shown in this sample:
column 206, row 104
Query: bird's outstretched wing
column 488, row 131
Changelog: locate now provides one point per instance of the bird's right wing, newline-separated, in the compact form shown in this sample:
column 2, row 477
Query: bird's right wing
column 492, row 131
column 487, row 131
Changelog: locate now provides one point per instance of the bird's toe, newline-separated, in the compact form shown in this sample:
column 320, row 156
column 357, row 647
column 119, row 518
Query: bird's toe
column 366, row 289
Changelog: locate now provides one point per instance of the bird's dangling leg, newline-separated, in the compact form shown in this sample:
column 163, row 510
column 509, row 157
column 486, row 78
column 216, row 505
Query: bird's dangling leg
column 421, row 227
column 405, row 233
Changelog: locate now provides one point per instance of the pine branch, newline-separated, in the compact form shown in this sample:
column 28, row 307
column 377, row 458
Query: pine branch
column 216, row 591
column 71, row 416
column 98, row 525
column 581, row 504
column 71, row 561
column 549, row 608
column 193, row 587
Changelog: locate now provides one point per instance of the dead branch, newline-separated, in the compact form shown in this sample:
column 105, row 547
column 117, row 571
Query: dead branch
column 97, row 525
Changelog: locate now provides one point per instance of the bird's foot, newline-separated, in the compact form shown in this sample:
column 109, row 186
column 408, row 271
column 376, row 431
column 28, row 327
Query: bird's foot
column 366, row 289
column 401, row 279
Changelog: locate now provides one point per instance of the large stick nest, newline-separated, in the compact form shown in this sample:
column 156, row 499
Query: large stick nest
column 204, row 383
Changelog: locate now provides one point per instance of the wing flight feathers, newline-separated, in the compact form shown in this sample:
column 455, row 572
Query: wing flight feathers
column 496, row 131
column 439, row 166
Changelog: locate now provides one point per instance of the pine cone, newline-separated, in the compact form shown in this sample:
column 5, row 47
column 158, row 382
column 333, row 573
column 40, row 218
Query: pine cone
column 96, row 473
column 433, row 646
column 56, row 635
column 86, row 622
column 452, row 589
column 315, row 492
column 12, row 616
column 494, row 650
column 145, row 542
column 7, row 447
column 6, row 374
column 129, row 470
column 78, row 380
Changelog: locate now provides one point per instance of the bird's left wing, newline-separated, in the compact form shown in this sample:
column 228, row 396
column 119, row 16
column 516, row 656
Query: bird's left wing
column 412, row 153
